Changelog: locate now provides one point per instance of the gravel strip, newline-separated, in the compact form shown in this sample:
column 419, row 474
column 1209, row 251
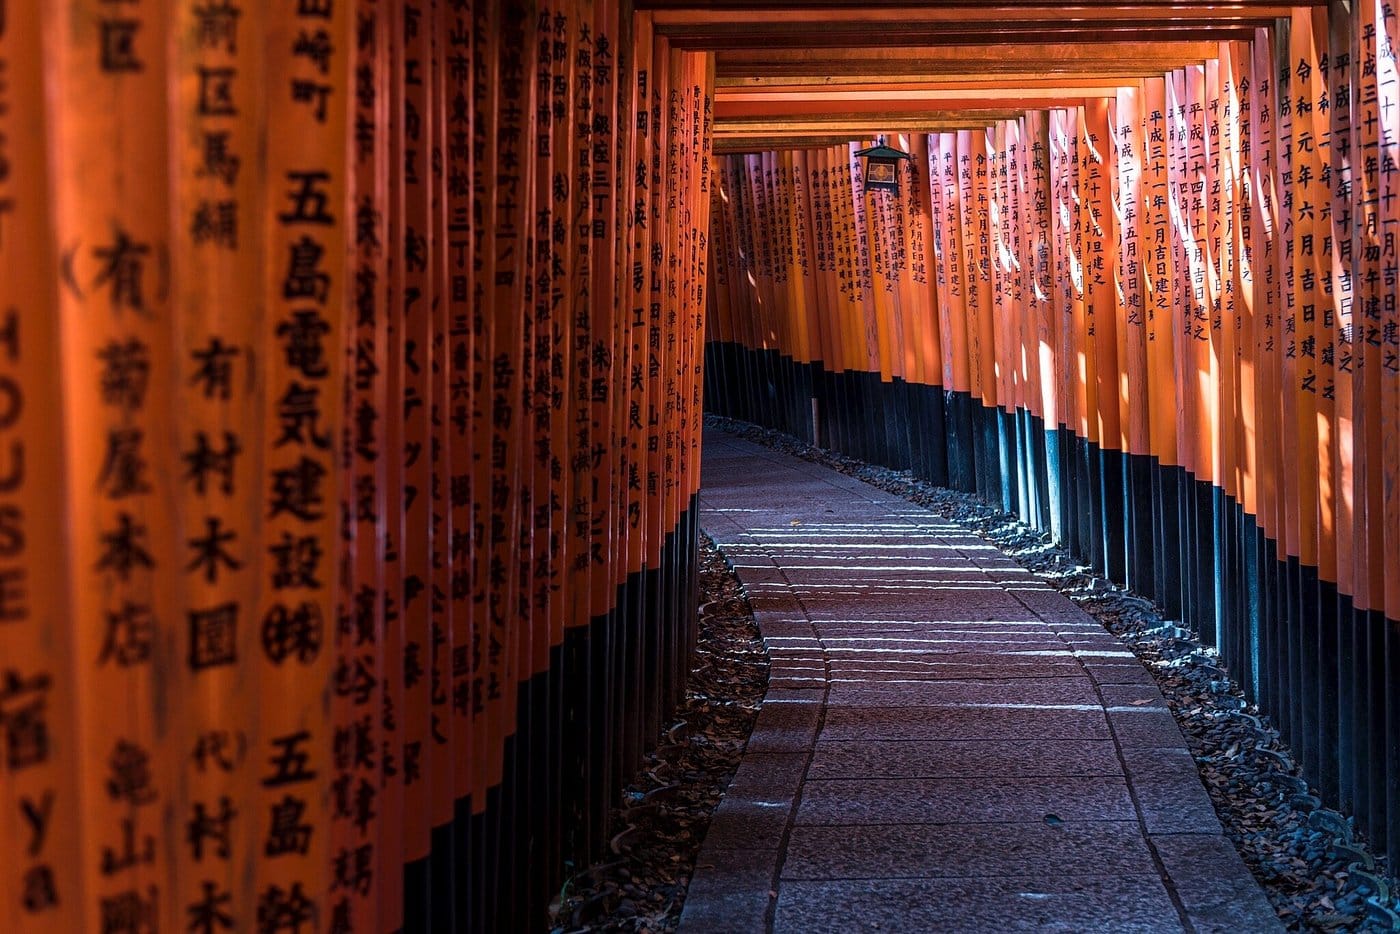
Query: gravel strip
column 640, row 885
column 1313, row 865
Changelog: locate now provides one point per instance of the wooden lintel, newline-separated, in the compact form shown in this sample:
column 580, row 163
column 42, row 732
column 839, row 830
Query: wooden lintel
column 817, row 34
column 1103, row 77
column 776, row 89
column 686, row 11
column 1046, row 60
column 1006, row 98
column 856, row 125
column 751, row 144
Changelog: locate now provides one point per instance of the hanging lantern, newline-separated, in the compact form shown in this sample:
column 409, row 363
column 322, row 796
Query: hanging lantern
column 882, row 167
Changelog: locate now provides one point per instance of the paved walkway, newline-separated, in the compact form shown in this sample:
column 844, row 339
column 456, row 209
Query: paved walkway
column 946, row 744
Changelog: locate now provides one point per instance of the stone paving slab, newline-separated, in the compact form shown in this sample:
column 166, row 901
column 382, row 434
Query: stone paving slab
column 788, row 721
column 964, row 759
column 1136, row 694
column 942, row 723
column 1169, row 791
column 936, row 851
column 958, row 668
column 947, row 744
column 1114, row 670
column 904, row 603
column 896, row 689
column 907, row 635
column 911, row 634
column 731, row 891
column 945, row 642
column 1219, row 894
column 740, row 823
column 764, row 775
column 1135, row 904
column 1145, row 726
column 983, row 799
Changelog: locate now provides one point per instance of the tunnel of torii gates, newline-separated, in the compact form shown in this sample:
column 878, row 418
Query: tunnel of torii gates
column 351, row 370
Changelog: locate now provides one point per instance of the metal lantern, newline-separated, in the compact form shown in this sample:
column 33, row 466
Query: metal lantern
column 882, row 167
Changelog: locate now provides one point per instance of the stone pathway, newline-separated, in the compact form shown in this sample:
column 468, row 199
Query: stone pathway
column 946, row 744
